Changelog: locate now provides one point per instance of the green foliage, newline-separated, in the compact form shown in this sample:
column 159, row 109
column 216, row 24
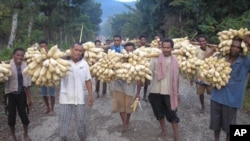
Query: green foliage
column 179, row 18
column 6, row 54
column 58, row 22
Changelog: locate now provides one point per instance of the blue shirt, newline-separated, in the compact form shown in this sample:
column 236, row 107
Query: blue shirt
column 232, row 94
column 117, row 49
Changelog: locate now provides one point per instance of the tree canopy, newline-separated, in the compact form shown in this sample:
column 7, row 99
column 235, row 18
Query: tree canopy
column 179, row 18
column 57, row 21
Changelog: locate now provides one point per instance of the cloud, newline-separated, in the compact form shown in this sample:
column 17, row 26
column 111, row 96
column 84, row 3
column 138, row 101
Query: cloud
column 126, row 0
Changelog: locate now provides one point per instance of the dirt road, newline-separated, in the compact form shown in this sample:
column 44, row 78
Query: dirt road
column 103, row 125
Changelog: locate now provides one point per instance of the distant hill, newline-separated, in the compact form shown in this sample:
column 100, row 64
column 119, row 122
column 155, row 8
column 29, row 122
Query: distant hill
column 110, row 8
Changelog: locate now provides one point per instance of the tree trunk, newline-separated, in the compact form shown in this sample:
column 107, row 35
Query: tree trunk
column 30, row 26
column 61, row 36
column 65, row 39
column 180, row 19
column 13, row 29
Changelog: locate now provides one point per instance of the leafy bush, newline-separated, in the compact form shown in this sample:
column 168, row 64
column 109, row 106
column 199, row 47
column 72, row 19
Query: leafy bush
column 6, row 54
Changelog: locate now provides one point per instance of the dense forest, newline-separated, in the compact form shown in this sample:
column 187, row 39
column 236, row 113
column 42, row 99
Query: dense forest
column 24, row 22
column 179, row 18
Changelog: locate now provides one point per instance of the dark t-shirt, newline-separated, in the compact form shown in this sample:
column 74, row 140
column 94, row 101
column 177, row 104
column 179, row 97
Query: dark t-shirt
column 20, row 79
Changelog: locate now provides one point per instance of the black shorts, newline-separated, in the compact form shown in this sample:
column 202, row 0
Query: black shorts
column 162, row 108
column 17, row 103
column 221, row 116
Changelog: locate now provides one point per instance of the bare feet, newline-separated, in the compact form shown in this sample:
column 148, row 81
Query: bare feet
column 203, row 110
column 46, row 112
column 26, row 138
column 14, row 138
column 52, row 113
column 123, row 129
column 162, row 134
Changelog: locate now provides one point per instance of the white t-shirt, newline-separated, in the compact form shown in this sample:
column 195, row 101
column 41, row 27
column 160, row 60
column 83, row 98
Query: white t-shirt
column 72, row 86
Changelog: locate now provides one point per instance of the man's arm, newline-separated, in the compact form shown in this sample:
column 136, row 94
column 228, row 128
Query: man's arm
column 28, row 96
column 89, row 88
column 194, row 43
column 138, row 89
column 213, row 47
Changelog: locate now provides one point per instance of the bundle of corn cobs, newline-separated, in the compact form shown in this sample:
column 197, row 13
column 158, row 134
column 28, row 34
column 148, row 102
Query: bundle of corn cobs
column 135, row 66
column 104, row 69
column 5, row 71
column 186, row 56
column 91, row 53
column 226, row 37
column 126, row 66
column 215, row 71
column 154, row 43
column 47, row 68
column 180, row 42
column 32, row 52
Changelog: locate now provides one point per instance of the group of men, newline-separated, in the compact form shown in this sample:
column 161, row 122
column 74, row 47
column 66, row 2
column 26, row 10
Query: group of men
column 163, row 92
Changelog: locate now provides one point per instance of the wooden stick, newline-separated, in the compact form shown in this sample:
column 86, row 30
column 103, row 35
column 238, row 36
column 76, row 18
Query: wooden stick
column 81, row 34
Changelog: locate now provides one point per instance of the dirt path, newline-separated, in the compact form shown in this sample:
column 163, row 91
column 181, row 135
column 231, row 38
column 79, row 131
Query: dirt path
column 103, row 125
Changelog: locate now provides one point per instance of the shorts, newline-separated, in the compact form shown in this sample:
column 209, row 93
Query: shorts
column 162, row 108
column 221, row 117
column 122, row 102
column 17, row 103
column 201, row 88
column 44, row 91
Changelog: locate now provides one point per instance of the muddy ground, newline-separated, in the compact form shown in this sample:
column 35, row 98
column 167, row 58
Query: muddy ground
column 103, row 125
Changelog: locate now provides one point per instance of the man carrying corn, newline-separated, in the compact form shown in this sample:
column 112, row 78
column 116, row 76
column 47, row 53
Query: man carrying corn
column 226, row 101
column 164, row 91
column 117, row 47
column 124, row 95
column 205, row 50
column 17, row 90
column 143, row 43
column 45, row 90
column 97, row 85
column 72, row 97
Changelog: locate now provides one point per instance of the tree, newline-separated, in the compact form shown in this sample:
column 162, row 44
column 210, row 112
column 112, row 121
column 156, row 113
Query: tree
column 16, row 8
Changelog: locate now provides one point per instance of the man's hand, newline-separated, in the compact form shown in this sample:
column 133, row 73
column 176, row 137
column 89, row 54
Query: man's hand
column 137, row 96
column 29, row 103
column 212, row 46
column 28, row 95
column 90, row 101
column 179, row 99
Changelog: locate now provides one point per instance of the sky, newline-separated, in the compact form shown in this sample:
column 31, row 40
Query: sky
column 125, row 0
